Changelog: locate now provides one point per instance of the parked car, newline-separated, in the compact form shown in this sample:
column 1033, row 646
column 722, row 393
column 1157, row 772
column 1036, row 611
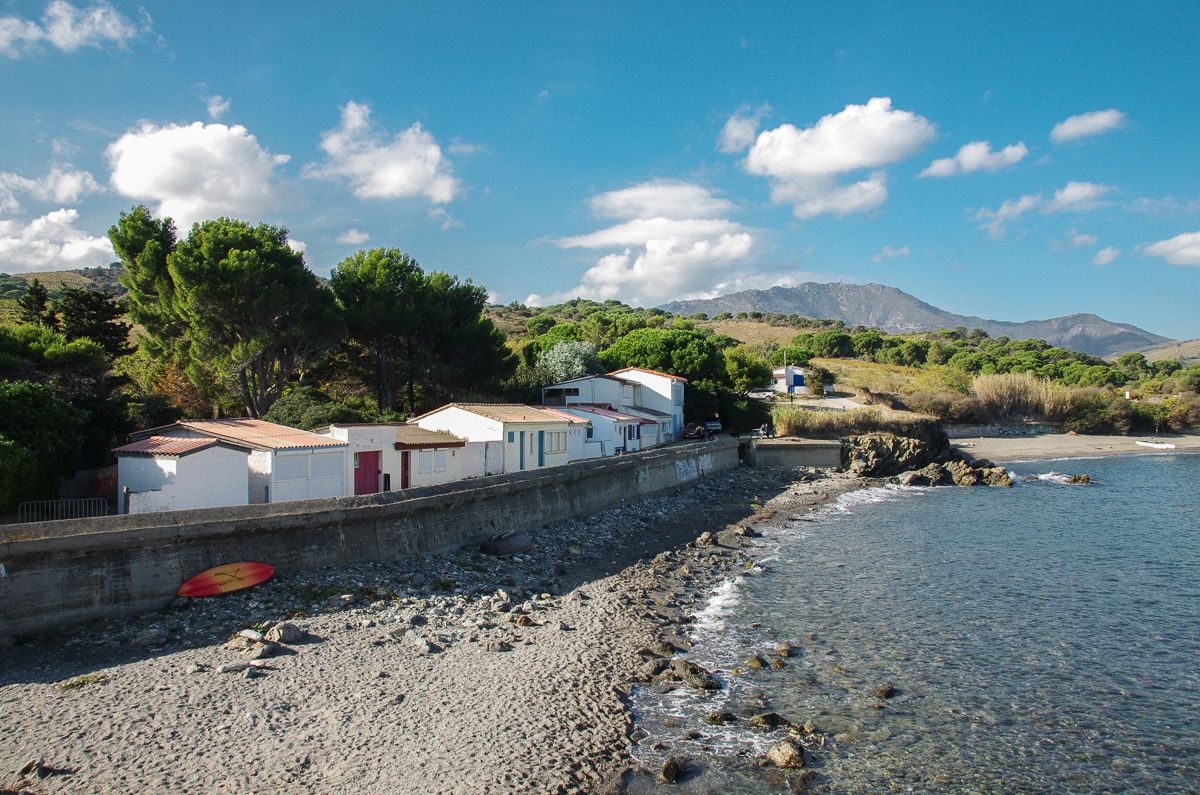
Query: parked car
column 713, row 427
column 694, row 430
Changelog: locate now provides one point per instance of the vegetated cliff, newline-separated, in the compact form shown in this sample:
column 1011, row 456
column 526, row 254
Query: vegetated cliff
column 896, row 311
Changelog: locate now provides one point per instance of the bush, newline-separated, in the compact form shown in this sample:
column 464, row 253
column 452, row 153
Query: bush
column 48, row 428
column 949, row 407
column 308, row 408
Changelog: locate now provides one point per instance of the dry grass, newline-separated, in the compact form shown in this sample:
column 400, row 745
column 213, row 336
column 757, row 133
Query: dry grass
column 750, row 331
column 870, row 376
column 1016, row 394
column 1187, row 351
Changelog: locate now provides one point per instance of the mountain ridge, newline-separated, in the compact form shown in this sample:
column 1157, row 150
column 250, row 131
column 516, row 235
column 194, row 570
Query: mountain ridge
column 898, row 312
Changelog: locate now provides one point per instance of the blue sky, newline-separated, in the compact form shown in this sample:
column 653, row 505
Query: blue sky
column 1013, row 161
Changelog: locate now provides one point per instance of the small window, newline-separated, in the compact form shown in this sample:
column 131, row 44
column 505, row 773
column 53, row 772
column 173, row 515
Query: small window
column 589, row 430
column 510, row 437
column 439, row 461
column 426, row 462
column 356, row 460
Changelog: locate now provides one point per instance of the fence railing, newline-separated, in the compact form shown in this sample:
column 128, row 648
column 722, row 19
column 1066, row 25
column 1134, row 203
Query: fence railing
column 49, row 510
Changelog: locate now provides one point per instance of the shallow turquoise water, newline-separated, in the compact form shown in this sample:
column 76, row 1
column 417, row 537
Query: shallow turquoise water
column 1044, row 638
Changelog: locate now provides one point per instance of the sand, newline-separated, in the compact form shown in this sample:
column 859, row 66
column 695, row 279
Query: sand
column 1007, row 449
column 414, row 677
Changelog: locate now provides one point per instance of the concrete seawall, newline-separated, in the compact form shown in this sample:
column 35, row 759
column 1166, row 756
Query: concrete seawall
column 822, row 453
column 58, row 573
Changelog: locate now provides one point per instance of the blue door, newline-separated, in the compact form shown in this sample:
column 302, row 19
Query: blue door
column 541, row 448
column 521, row 437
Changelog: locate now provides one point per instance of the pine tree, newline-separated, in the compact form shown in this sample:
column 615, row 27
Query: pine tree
column 33, row 305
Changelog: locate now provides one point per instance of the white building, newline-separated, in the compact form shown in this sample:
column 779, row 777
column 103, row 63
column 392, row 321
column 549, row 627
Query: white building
column 661, row 392
column 581, row 435
column 284, row 463
column 428, row 458
column 390, row 456
column 164, row 473
column 612, row 431
column 790, row 379
column 530, row 438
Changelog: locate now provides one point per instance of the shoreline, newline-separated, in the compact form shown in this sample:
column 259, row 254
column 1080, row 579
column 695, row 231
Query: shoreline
column 455, row 672
column 1048, row 447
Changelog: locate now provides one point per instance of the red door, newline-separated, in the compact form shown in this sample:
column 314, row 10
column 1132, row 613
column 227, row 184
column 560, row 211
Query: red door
column 366, row 472
column 404, row 465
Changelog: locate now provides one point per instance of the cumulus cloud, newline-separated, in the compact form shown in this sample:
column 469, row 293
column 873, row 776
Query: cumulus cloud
column 197, row 171
column 804, row 165
column 741, row 128
column 1072, row 197
column 298, row 246
column 995, row 220
column 888, row 252
column 1087, row 124
column 61, row 184
column 1179, row 250
column 1076, row 196
column 353, row 237
column 67, row 28
column 51, row 242
column 1106, row 255
column 976, row 156
column 670, row 245
column 216, row 106
column 376, row 166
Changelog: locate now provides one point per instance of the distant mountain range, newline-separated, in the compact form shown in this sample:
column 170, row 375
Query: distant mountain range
column 889, row 309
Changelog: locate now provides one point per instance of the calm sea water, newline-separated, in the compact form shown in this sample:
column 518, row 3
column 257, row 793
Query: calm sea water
column 1044, row 638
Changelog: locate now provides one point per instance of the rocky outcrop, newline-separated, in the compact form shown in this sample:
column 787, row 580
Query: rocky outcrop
column 884, row 454
column 786, row 753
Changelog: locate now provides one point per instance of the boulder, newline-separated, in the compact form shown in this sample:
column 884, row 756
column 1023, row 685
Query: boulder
column 995, row 476
column 755, row 663
column 689, row 673
column 962, row 473
column 783, row 650
column 705, row 539
column 886, row 690
column 884, row 454
column 768, row 720
column 285, row 632
column 721, row 718
column 786, row 753
column 671, row 770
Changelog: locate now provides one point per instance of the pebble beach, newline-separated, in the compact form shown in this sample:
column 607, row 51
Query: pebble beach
column 458, row 672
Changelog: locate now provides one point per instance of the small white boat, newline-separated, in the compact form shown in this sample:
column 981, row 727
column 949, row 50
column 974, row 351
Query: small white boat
column 1156, row 444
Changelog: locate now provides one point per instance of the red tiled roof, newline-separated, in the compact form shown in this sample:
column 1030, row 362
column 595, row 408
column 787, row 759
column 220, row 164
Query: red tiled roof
column 165, row 445
column 648, row 370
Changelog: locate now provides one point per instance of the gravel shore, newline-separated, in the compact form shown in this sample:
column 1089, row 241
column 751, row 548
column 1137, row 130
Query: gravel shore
column 448, row 673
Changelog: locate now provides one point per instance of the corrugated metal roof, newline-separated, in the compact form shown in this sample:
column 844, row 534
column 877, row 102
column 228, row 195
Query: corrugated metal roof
column 571, row 418
column 501, row 412
column 648, row 370
column 412, row 437
column 165, row 445
column 603, row 412
column 257, row 434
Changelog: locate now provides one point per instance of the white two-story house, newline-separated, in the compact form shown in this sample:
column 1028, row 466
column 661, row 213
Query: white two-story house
column 529, row 438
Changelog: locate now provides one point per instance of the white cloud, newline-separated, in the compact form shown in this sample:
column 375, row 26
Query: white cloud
column 1163, row 207
column 1106, row 255
column 216, row 106
column 1179, row 250
column 1076, row 196
column 196, row 172
column 442, row 218
column 976, row 156
column 458, row 147
column 353, row 237
column 741, row 128
column 659, row 199
column 1085, row 124
column 409, row 164
column 298, row 246
column 67, row 28
column 803, row 165
column 640, row 231
column 670, row 246
column 51, row 242
column 1010, row 209
column 1072, row 197
column 61, row 184
column 888, row 252
column 1073, row 238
